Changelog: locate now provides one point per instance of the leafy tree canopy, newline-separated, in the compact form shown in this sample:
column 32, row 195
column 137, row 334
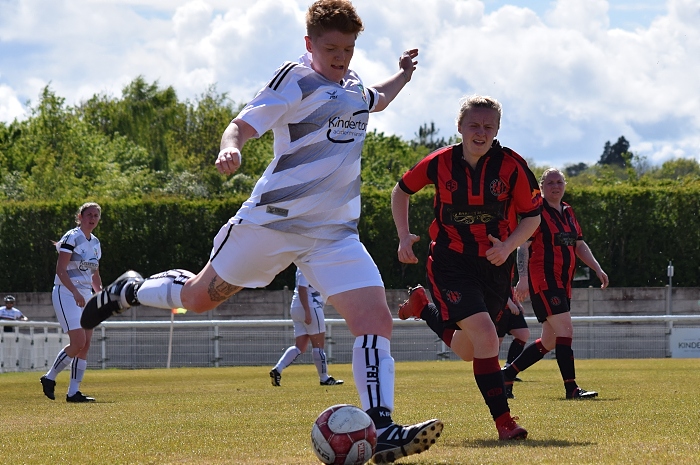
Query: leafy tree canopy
column 147, row 142
column 616, row 154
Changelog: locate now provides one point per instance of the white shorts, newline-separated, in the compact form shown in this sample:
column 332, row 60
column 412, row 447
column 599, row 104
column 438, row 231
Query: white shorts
column 318, row 322
column 67, row 311
column 249, row 255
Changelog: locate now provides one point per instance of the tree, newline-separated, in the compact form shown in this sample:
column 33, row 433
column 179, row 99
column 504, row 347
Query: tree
column 386, row 158
column 55, row 155
column 146, row 115
column 678, row 169
column 427, row 137
column 617, row 154
column 575, row 170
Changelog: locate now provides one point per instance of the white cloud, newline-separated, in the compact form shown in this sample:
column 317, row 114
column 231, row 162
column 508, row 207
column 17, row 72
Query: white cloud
column 568, row 80
column 10, row 106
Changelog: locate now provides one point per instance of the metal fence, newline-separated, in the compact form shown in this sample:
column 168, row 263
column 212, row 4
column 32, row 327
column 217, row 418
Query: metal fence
column 32, row 346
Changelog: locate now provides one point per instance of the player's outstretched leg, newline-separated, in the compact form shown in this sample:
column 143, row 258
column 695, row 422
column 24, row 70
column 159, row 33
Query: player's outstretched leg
column 398, row 441
column 112, row 300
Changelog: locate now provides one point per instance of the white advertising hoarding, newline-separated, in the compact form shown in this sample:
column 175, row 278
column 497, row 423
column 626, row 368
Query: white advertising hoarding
column 685, row 342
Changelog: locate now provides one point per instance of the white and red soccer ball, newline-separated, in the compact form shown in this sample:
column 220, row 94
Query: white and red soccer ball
column 343, row 435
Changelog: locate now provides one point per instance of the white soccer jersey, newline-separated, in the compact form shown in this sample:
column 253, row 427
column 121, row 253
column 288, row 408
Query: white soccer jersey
column 312, row 186
column 10, row 313
column 316, row 301
column 84, row 260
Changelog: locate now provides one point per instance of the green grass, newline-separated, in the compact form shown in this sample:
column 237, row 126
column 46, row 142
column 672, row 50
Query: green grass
column 647, row 412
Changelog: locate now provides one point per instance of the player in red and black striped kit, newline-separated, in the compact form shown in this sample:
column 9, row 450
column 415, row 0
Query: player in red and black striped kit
column 546, row 266
column 477, row 185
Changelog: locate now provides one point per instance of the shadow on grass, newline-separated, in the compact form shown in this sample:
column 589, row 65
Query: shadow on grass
column 585, row 401
column 494, row 443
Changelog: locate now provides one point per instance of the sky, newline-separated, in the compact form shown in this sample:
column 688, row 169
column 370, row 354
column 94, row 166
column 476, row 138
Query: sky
column 570, row 74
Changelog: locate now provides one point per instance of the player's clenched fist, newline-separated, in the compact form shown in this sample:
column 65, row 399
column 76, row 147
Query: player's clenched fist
column 229, row 160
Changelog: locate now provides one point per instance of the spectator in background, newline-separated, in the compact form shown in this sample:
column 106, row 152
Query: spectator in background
column 8, row 312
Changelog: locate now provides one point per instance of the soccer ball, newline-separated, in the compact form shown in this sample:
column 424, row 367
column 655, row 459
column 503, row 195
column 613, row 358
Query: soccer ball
column 344, row 434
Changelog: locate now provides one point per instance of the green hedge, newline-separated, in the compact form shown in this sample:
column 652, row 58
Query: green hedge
column 633, row 232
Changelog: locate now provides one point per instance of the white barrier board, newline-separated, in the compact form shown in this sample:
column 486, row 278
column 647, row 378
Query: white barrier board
column 685, row 342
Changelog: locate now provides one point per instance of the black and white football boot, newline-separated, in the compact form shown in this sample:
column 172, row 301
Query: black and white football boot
column 112, row 300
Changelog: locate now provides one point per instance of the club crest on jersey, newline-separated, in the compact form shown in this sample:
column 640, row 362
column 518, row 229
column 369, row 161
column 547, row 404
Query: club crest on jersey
column 451, row 185
column 362, row 92
column 452, row 297
column 497, row 187
column 555, row 301
column 332, row 95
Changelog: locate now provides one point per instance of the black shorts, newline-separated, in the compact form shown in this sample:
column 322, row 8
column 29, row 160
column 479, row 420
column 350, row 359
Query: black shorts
column 463, row 286
column 550, row 302
column 505, row 321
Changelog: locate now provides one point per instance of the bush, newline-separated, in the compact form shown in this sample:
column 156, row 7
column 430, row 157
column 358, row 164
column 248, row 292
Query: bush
column 633, row 232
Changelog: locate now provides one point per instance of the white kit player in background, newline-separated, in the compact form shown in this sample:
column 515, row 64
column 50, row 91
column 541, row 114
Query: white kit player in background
column 77, row 276
column 304, row 210
column 309, row 326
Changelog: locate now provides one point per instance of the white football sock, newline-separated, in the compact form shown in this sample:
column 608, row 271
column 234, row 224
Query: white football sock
column 373, row 370
column 77, row 371
column 319, row 357
column 61, row 362
column 288, row 358
column 163, row 290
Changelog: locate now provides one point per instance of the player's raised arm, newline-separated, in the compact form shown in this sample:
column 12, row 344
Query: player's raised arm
column 389, row 89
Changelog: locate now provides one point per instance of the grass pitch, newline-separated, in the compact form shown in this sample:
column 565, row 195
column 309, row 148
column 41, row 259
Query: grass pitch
column 647, row 412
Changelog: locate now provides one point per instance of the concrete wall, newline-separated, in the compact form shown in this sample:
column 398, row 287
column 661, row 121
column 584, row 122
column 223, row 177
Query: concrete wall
column 262, row 304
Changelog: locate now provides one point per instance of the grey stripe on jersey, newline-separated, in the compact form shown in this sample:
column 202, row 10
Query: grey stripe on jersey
column 309, row 83
column 316, row 227
column 330, row 185
column 305, row 154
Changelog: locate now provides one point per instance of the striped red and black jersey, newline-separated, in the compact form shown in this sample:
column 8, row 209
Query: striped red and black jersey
column 553, row 249
column 471, row 203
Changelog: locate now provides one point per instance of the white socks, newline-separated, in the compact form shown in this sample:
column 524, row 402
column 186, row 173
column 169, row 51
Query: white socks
column 77, row 371
column 319, row 357
column 163, row 290
column 287, row 358
column 61, row 362
column 373, row 370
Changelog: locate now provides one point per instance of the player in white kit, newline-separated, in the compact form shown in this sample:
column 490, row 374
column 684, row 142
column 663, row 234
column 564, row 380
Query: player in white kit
column 77, row 275
column 309, row 326
column 303, row 210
